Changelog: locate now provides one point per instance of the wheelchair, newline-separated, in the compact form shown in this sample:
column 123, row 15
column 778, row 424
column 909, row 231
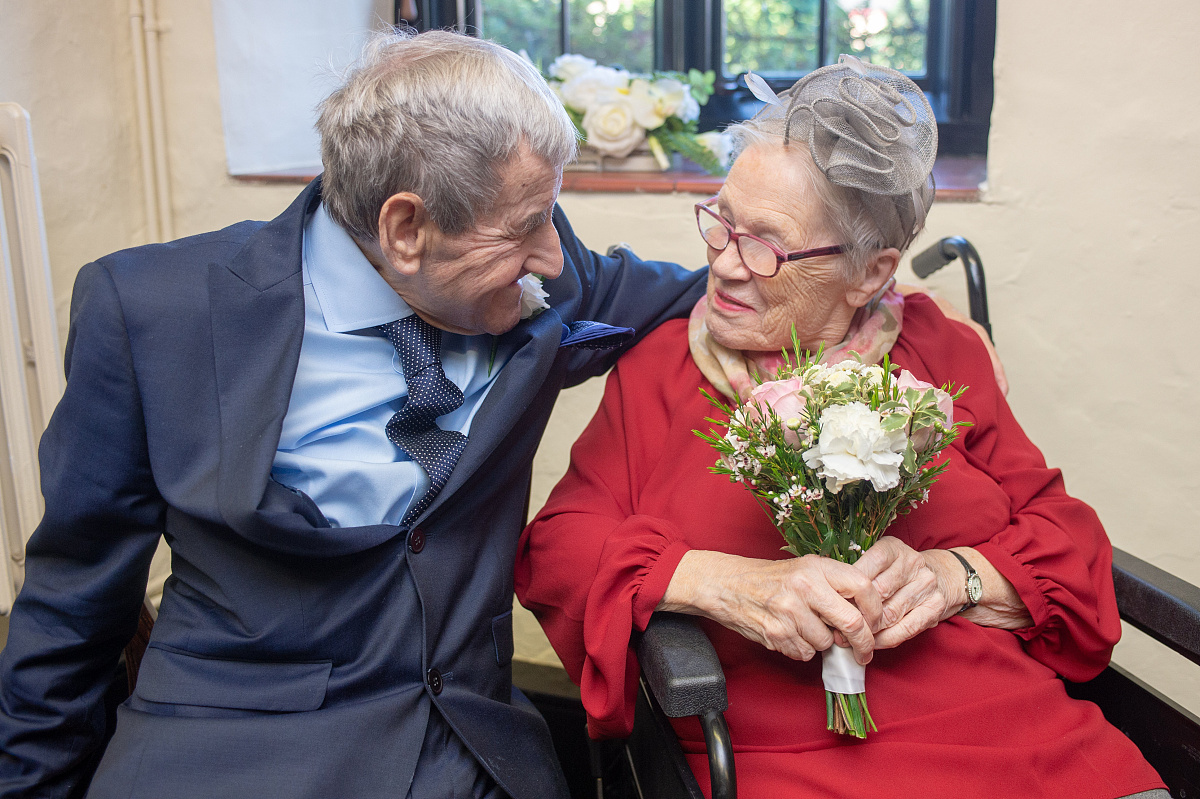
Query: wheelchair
column 681, row 675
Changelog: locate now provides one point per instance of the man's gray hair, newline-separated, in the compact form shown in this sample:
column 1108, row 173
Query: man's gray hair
column 436, row 114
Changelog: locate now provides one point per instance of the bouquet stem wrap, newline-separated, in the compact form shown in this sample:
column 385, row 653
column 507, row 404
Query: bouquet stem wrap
column 845, row 682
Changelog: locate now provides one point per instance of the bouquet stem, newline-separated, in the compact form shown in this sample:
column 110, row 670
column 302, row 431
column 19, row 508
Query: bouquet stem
column 846, row 711
column 847, row 714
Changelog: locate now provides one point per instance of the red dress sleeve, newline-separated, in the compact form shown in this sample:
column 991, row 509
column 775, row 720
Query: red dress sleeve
column 1053, row 548
column 589, row 566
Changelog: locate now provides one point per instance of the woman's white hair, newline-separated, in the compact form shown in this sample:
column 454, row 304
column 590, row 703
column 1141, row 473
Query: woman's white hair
column 436, row 114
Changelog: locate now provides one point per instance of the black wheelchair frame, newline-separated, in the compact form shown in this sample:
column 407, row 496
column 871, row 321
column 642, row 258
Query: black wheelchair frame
column 681, row 675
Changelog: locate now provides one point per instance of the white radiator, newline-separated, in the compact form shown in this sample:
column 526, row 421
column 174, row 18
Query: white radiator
column 30, row 372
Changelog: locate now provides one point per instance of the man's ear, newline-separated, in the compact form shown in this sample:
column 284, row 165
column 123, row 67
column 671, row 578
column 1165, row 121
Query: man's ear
column 404, row 231
column 879, row 271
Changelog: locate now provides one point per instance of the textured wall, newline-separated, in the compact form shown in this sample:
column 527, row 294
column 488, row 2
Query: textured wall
column 69, row 64
column 1087, row 228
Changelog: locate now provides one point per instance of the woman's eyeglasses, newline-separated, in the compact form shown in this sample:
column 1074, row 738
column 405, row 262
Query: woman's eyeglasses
column 760, row 257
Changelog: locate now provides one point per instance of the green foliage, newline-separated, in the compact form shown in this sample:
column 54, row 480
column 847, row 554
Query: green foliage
column 813, row 519
column 684, row 143
column 780, row 37
column 614, row 32
column 771, row 37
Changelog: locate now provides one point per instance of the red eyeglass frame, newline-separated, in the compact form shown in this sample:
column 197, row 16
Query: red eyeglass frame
column 781, row 257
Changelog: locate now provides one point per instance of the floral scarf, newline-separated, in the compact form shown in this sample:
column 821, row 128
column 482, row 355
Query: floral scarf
column 873, row 331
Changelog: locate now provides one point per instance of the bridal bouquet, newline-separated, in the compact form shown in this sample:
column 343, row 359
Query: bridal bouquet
column 617, row 111
column 833, row 453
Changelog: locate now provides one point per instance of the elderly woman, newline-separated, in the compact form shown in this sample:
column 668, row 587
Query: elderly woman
column 831, row 185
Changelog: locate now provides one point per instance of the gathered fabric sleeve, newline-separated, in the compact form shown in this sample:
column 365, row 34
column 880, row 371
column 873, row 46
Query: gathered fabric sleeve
column 1053, row 548
column 590, row 566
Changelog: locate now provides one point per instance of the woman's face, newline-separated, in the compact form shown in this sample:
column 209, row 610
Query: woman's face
column 768, row 193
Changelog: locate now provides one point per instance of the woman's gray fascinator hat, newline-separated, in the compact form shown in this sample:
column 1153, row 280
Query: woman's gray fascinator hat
column 868, row 128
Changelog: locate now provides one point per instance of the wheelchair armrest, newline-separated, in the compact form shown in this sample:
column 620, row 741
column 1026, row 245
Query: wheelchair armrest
column 681, row 669
column 681, row 666
column 1159, row 604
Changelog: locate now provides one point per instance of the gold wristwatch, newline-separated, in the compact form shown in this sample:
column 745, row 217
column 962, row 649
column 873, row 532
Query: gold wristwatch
column 974, row 584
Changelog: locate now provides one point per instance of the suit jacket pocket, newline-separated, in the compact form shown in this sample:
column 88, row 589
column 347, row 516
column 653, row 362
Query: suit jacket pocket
column 183, row 679
column 502, row 635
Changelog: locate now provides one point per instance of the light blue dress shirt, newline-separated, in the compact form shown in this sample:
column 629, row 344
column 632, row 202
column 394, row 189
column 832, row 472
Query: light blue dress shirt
column 349, row 383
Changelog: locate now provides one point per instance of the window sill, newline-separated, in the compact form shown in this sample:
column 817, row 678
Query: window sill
column 957, row 176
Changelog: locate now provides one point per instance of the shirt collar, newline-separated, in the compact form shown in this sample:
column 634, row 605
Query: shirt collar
column 352, row 295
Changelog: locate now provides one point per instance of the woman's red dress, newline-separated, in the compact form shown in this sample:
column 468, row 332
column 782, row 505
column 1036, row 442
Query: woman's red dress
column 962, row 710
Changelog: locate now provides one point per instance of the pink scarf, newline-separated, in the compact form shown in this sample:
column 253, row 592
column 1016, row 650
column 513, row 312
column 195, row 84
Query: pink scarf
column 873, row 330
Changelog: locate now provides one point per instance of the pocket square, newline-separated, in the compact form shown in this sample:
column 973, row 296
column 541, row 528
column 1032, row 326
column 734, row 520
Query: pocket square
column 594, row 335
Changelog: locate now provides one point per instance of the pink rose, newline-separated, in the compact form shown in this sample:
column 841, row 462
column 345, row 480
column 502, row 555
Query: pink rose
column 782, row 396
column 921, row 438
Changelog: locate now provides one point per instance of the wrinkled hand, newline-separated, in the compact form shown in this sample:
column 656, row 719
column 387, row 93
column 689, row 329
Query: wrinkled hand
column 914, row 599
column 791, row 606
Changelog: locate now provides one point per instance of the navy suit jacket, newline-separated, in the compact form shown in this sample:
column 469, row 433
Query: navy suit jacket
column 290, row 658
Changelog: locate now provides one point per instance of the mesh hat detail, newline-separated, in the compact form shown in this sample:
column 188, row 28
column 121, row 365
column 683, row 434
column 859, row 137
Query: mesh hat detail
column 868, row 128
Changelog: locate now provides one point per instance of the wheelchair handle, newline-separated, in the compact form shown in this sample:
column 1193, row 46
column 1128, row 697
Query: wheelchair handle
column 722, row 776
column 926, row 263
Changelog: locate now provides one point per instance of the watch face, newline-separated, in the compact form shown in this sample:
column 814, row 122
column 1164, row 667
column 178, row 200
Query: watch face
column 974, row 588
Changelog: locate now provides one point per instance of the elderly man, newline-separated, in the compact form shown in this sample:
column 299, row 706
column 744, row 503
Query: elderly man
column 338, row 620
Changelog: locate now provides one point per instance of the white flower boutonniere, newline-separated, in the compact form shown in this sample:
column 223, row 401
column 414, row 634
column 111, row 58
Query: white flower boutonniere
column 533, row 302
column 533, row 296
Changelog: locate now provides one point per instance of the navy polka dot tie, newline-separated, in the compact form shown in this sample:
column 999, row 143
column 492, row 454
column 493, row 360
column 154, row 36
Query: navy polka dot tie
column 430, row 395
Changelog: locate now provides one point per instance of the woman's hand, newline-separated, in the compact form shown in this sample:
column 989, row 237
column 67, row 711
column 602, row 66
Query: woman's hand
column 915, row 597
column 922, row 589
column 792, row 606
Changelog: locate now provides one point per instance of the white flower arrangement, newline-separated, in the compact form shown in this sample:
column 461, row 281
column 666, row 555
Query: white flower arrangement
column 833, row 454
column 616, row 111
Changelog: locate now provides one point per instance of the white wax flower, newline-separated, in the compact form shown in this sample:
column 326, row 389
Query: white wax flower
column 610, row 125
column 570, row 65
column 580, row 92
column 533, row 296
column 853, row 446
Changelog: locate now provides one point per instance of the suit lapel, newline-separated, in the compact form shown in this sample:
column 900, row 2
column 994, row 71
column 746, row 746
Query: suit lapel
column 257, row 306
column 534, row 343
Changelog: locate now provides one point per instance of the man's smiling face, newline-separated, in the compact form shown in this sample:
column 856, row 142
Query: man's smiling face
column 468, row 283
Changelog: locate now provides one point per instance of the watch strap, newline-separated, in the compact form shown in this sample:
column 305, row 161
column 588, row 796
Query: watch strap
column 971, row 573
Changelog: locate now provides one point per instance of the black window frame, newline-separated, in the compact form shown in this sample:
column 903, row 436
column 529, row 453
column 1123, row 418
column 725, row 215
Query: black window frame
column 690, row 34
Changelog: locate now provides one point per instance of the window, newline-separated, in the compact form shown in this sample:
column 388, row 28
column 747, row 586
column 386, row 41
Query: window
column 946, row 46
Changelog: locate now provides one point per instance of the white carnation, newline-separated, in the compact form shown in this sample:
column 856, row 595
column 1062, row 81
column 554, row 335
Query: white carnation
column 533, row 296
column 581, row 91
column 570, row 65
column 610, row 124
column 853, row 446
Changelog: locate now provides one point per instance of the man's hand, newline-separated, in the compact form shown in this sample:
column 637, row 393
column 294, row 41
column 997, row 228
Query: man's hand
column 953, row 313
